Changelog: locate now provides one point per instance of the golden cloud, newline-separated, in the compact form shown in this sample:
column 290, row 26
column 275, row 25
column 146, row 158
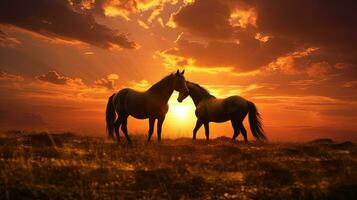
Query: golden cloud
column 108, row 82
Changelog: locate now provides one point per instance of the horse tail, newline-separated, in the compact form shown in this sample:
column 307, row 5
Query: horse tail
column 110, row 116
column 255, row 122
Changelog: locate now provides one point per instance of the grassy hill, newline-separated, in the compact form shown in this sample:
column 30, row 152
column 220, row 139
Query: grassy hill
column 67, row 166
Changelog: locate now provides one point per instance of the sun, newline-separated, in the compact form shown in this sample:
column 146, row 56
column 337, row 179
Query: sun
column 180, row 111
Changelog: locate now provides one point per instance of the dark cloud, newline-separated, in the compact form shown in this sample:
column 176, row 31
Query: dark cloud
column 59, row 19
column 53, row 77
column 7, row 41
column 321, row 23
column 296, row 25
column 247, row 55
column 209, row 18
column 5, row 76
column 228, row 44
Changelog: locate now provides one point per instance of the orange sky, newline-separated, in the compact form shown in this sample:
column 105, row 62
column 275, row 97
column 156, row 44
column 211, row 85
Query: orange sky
column 61, row 59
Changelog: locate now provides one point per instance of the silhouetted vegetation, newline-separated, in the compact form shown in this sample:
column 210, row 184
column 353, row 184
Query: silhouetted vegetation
column 66, row 166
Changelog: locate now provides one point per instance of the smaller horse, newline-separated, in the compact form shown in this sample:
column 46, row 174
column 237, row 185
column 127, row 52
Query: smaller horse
column 150, row 104
column 234, row 108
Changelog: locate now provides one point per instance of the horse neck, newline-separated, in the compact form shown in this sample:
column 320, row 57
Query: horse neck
column 198, row 94
column 162, row 89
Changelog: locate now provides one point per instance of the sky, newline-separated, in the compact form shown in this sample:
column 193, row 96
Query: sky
column 296, row 60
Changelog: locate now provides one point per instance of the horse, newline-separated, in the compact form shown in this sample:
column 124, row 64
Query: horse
column 151, row 104
column 233, row 108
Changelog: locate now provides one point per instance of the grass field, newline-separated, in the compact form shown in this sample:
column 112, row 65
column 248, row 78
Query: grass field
column 67, row 166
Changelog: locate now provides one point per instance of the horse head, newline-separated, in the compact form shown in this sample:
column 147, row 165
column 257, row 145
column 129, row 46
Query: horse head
column 182, row 95
column 180, row 85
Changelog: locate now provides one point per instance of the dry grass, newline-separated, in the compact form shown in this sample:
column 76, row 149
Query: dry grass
column 66, row 166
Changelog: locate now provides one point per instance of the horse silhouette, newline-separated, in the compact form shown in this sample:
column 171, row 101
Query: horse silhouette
column 234, row 108
column 150, row 104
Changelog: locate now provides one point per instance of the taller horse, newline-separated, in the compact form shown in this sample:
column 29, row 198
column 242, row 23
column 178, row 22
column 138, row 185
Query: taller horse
column 233, row 108
column 150, row 104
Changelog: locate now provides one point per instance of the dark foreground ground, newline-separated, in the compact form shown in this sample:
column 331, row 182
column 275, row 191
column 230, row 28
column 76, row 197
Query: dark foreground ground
column 66, row 166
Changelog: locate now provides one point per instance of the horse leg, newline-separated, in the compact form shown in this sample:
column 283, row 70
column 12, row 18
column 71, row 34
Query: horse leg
column 206, row 124
column 151, row 127
column 124, row 127
column 244, row 132
column 160, row 121
column 116, row 128
column 111, row 135
column 198, row 126
column 236, row 128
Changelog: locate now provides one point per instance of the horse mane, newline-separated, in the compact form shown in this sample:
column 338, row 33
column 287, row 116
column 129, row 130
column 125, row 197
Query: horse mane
column 202, row 89
column 158, row 86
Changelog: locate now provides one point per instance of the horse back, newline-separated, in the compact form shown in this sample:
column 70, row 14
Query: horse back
column 122, row 96
column 220, row 110
column 209, row 109
column 140, row 105
column 233, row 103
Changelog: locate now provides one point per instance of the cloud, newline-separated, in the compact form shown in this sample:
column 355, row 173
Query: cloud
column 292, row 63
column 7, row 41
column 52, row 85
column 319, row 69
column 312, row 23
column 59, row 19
column 247, row 55
column 350, row 84
column 108, row 82
column 143, row 24
column 209, row 18
column 148, row 9
column 141, row 85
column 4, row 76
column 112, row 8
column 224, row 91
column 231, row 38
column 308, row 62
column 250, row 34
column 318, row 23
column 55, row 78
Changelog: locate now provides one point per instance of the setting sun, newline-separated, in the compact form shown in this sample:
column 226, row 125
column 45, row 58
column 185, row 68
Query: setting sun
column 183, row 113
column 180, row 111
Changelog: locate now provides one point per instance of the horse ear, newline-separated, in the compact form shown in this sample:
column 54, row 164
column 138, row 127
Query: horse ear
column 182, row 72
column 178, row 71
